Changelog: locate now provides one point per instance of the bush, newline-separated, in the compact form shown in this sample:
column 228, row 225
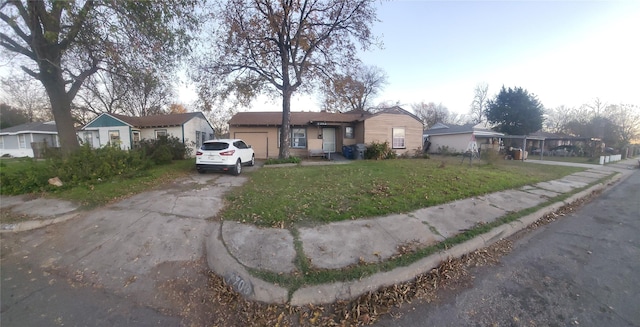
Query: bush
column 491, row 156
column 177, row 149
column 86, row 165
column 379, row 151
column 162, row 155
column 273, row 161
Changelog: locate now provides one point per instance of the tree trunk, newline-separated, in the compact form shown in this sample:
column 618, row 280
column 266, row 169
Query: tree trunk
column 285, row 130
column 61, row 108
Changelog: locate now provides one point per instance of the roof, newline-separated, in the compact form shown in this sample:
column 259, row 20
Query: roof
column 297, row 118
column 167, row 120
column 308, row 118
column 450, row 129
column 34, row 127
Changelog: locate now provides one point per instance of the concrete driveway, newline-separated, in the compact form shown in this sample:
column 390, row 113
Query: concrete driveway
column 127, row 248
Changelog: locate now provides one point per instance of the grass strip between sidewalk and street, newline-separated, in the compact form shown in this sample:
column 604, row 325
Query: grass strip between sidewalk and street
column 307, row 275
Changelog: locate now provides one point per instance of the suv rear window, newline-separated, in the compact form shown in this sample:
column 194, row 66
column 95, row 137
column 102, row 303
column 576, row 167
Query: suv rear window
column 215, row 146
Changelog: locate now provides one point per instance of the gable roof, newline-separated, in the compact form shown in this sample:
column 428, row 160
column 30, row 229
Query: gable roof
column 307, row 118
column 168, row 120
column 34, row 127
column 297, row 118
column 450, row 129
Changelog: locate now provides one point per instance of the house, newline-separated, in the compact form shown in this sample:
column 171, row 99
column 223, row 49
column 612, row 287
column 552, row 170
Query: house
column 20, row 140
column 191, row 128
column 327, row 132
column 451, row 138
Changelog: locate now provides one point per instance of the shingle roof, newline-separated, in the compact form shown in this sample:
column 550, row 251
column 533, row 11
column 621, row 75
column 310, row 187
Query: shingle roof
column 167, row 120
column 297, row 118
column 446, row 129
column 42, row 127
column 306, row 118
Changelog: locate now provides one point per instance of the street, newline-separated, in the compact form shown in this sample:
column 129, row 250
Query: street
column 583, row 269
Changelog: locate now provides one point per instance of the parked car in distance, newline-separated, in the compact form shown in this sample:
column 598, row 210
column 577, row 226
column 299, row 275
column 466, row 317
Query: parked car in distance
column 564, row 150
column 224, row 155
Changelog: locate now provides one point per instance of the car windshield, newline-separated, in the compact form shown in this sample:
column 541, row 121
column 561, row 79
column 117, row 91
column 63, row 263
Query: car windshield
column 215, row 146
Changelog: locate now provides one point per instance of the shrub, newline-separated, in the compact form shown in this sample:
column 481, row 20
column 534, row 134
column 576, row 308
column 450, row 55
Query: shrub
column 177, row 149
column 275, row 161
column 491, row 156
column 86, row 165
column 379, row 151
column 162, row 154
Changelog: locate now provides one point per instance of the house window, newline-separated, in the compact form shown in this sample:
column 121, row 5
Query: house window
column 398, row 138
column 160, row 133
column 114, row 137
column 22, row 141
column 204, row 136
column 348, row 132
column 298, row 138
column 198, row 143
column 1, row 142
column 88, row 138
column 136, row 138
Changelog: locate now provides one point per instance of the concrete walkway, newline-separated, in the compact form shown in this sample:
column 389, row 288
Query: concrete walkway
column 118, row 245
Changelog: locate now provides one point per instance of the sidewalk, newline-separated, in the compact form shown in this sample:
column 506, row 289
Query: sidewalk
column 120, row 244
column 234, row 247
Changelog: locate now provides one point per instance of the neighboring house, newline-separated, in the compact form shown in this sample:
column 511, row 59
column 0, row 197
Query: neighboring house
column 17, row 141
column 326, row 132
column 190, row 128
column 456, row 138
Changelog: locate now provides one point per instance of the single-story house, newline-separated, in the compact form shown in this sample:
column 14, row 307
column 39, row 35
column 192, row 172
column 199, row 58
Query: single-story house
column 327, row 132
column 451, row 138
column 18, row 141
column 191, row 128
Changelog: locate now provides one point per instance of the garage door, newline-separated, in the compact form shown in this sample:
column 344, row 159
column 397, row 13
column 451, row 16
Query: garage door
column 258, row 142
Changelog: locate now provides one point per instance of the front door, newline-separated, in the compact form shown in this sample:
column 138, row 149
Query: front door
column 329, row 139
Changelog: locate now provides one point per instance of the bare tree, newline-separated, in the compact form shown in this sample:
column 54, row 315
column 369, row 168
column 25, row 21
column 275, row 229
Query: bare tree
column 479, row 103
column 62, row 43
column 281, row 47
column 148, row 94
column 626, row 118
column 431, row 113
column 23, row 93
column 103, row 92
column 556, row 119
column 353, row 90
column 595, row 109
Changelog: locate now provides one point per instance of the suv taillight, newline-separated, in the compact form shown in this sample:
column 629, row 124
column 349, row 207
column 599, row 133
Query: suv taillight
column 228, row 153
column 198, row 153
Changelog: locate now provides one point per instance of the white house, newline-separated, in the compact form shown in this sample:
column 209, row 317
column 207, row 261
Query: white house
column 16, row 141
column 456, row 138
column 191, row 128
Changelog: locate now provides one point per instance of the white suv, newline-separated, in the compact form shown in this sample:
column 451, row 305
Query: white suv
column 224, row 155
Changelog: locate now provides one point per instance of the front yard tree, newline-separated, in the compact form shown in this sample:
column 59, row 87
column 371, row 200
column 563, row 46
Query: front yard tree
column 280, row 47
column 354, row 89
column 515, row 112
column 62, row 43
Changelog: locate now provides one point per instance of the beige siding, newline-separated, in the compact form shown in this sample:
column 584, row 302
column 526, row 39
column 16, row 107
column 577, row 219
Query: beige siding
column 456, row 143
column 267, row 148
column 379, row 129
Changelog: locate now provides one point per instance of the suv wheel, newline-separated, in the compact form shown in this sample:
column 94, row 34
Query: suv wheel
column 253, row 160
column 238, row 168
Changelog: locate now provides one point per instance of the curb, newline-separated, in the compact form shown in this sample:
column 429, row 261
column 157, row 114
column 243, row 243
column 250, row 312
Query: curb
column 34, row 224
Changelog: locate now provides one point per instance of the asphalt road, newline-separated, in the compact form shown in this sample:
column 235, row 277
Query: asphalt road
column 34, row 297
column 582, row 270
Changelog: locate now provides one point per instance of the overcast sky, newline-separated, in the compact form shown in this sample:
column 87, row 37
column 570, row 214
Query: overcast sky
column 566, row 52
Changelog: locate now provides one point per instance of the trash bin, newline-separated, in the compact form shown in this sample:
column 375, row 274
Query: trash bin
column 517, row 154
column 347, row 152
column 358, row 151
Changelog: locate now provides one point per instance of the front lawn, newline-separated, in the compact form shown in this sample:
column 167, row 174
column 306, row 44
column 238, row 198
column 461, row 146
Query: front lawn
column 318, row 194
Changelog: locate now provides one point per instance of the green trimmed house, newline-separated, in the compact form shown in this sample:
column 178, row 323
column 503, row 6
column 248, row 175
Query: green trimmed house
column 191, row 128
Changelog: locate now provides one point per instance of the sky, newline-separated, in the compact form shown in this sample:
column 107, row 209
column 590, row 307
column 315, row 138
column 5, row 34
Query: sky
column 565, row 52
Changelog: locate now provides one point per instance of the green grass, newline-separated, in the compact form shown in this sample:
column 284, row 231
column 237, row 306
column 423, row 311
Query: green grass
column 93, row 195
column 320, row 194
column 585, row 160
column 307, row 275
